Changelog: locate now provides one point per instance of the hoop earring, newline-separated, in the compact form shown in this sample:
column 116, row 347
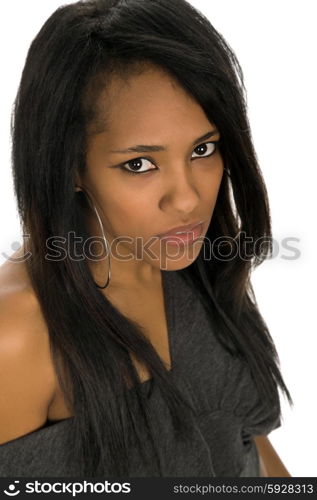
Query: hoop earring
column 103, row 236
column 227, row 171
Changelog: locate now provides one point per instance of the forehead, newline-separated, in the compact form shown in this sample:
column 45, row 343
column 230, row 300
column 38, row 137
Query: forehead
column 146, row 101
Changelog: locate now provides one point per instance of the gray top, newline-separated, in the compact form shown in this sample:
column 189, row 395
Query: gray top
column 219, row 385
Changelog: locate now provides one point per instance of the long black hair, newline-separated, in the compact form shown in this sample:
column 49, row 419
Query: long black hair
column 69, row 62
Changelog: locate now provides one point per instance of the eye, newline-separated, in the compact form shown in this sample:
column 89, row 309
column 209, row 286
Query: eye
column 206, row 149
column 136, row 166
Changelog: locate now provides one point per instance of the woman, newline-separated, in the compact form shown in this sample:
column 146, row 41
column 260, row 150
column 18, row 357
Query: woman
column 127, row 351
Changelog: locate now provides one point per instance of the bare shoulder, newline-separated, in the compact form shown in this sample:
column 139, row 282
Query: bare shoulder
column 27, row 377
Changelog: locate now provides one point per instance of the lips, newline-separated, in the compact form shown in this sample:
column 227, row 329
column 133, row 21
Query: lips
column 180, row 229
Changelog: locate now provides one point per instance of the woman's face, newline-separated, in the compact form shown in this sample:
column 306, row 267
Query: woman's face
column 181, row 178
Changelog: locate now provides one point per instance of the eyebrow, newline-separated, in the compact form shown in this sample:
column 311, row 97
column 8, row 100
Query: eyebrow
column 143, row 148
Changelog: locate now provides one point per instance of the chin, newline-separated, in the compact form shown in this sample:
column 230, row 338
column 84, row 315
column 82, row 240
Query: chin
column 183, row 260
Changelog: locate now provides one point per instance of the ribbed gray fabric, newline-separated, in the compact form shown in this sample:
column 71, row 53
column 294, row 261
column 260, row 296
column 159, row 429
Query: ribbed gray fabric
column 219, row 385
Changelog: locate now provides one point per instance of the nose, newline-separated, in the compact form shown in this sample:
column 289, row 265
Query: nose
column 180, row 193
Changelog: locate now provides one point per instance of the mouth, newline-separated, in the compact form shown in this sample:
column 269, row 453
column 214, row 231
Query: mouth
column 176, row 231
column 184, row 234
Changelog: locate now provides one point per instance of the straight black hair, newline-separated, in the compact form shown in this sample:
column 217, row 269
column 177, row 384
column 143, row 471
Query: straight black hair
column 69, row 62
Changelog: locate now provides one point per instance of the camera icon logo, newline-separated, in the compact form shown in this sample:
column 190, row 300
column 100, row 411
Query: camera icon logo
column 12, row 490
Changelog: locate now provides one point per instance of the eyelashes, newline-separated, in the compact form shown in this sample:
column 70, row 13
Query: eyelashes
column 138, row 161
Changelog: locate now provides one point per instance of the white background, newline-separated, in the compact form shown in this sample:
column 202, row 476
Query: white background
column 275, row 42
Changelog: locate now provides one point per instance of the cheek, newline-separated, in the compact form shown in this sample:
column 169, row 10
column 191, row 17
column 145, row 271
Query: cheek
column 208, row 181
column 125, row 210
